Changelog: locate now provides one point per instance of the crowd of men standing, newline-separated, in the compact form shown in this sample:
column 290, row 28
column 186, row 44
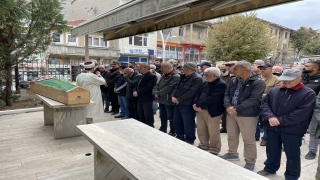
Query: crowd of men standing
column 247, row 98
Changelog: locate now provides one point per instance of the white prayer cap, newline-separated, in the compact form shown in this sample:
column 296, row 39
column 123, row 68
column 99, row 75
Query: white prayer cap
column 89, row 64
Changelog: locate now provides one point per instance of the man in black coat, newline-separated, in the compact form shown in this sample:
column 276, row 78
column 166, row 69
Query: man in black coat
column 143, row 91
column 111, row 79
column 103, row 88
column 208, row 103
column 311, row 79
column 182, row 97
column 132, row 78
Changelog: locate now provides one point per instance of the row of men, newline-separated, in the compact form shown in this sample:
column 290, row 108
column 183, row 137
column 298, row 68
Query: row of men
column 286, row 110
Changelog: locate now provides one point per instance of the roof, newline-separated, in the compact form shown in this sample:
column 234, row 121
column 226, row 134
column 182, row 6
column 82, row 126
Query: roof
column 283, row 27
column 143, row 16
column 74, row 23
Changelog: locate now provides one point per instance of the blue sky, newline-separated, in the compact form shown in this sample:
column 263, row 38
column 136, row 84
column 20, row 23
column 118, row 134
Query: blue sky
column 294, row 15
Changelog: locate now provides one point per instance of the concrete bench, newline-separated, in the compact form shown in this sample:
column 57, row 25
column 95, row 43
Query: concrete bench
column 128, row 149
column 64, row 118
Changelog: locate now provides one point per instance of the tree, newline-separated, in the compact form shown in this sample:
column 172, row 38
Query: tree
column 312, row 48
column 280, row 50
column 301, row 37
column 239, row 37
column 25, row 29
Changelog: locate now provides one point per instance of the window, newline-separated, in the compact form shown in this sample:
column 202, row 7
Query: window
column 166, row 31
column 56, row 38
column 181, row 31
column 199, row 33
column 97, row 41
column 285, row 35
column 139, row 40
column 276, row 32
column 70, row 39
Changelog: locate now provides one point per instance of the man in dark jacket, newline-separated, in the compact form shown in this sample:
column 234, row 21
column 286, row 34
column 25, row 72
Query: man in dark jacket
column 242, row 103
column 111, row 79
column 132, row 78
column 182, row 96
column 287, row 111
column 120, row 88
column 143, row 91
column 158, row 63
column 162, row 92
column 104, row 89
column 208, row 103
column 311, row 79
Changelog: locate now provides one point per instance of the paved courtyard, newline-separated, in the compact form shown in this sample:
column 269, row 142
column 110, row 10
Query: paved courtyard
column 29, row 152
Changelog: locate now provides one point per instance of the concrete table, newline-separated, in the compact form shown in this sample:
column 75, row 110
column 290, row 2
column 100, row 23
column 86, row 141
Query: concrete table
column 64, row 118
column 128, row 149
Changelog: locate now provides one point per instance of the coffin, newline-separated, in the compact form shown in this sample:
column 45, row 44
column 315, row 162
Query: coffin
column 61, row 91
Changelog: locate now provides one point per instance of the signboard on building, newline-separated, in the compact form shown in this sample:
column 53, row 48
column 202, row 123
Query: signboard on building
column 135, row 51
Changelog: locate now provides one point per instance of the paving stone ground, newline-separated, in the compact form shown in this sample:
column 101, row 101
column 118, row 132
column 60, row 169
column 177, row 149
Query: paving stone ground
column 29, row 152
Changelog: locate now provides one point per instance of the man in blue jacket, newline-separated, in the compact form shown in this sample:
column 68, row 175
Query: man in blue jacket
column 287, row 111
column 208, row 103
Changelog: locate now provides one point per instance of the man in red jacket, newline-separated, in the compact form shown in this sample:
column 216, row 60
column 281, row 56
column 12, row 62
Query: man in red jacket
column 287, row 111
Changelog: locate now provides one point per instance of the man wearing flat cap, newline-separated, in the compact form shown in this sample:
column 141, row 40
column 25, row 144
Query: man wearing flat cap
column 271, row 81
column 203, row 66
column 182, row 97
column 286, row 110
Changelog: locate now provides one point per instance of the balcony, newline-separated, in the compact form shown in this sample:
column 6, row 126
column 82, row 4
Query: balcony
column 78, row 51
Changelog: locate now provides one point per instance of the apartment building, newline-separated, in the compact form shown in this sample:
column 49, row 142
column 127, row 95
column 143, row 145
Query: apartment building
column 185, row 43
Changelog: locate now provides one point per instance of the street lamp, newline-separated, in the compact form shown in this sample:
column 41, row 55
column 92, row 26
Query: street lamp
column 164, row 42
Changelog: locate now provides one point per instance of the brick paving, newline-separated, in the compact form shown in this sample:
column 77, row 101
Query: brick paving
column 28, row 151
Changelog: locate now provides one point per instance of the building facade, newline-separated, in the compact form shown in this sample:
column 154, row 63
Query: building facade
column 185, row 43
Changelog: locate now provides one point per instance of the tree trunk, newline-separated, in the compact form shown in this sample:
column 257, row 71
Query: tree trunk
column 16, row 76
column 8, row 69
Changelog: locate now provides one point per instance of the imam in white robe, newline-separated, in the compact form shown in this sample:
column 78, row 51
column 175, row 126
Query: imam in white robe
column 92, row 83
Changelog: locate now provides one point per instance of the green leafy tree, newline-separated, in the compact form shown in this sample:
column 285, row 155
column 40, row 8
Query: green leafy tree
column 25, row 29
column 301, row 37
column 312, row 48
column 238, row 37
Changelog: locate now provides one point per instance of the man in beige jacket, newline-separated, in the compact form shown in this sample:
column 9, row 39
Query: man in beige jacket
column 271, row 81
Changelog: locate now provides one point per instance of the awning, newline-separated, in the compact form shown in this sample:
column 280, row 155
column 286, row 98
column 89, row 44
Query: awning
column 143, row 16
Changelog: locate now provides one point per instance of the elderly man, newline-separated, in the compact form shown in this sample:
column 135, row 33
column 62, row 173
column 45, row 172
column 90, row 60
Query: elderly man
column 287, row 111
column 92, row 82
column 120, row 89
column 208, row 103
column 311, row 79
column 255, row 69
column 203, row 66
column 182, row 96
column 111, row 79
column 270, row 81
column 132, row 78
column 153, row 71
column 226, row 76
column 242, row 102
column 143, row 91
column 277, row 70
column 162, row 91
